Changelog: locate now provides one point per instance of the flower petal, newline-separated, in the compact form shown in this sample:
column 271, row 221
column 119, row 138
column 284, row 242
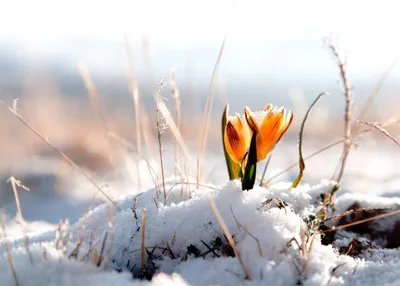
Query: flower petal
column 251, row 120
column 286, row 125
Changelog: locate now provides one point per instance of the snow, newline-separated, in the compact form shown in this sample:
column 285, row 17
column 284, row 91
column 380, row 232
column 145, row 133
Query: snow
column 185, row 221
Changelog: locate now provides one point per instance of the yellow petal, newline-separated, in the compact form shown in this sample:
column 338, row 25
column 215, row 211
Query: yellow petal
column 285, row 126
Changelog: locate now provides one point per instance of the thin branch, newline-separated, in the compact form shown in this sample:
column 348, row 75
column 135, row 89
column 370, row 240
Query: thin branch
column 65, row 157
column 349, row 102
column 377, row 126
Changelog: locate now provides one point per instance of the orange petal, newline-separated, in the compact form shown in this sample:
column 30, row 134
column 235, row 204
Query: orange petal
column 269, row 133
column 234, row 143
column 251, row 121
column 268, row 108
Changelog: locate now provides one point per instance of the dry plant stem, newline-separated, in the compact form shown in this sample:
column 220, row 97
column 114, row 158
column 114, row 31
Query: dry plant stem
column 160, row 149
column 347, row 115
column 94, row 99
column 142, row 258
column 265, row 170
column 228, row 237
column 240, row 226
column 372, row 96
column 21, row 219
column 362, row 221
column 9, row 254
column 163, row 108
column 376, row 126
column 175, row 131
column 175, row 94
column 135, row 95
column 205, row 120
column 65, row 157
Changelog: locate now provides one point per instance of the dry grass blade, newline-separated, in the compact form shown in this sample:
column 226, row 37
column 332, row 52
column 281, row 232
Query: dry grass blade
column 205, row 120
column 94, row 99
column 349, row 102
column 376, row 126
column 228, row 237
column 372, row 97
column 21, row 220
column 111, row 230
column 65, row 157
column 265, row 170
column 135, row 95
column 177, row 103
column 142, row 249
column 9, row 254
column 302, row 165
column 177, row 134
column 240, row 226
column 334, row 228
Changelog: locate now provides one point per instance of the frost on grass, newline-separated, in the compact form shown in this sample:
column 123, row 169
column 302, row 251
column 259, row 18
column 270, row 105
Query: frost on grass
column 185, row 245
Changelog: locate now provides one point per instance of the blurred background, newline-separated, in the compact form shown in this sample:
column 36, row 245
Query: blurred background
column 67, row 63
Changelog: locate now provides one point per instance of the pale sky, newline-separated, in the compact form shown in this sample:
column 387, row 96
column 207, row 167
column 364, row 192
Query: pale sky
column 368, row 31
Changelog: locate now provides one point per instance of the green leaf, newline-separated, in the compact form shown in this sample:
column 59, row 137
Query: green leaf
column 250, row 171
column 234, row 170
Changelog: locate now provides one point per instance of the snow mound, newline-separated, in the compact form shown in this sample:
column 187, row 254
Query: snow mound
column 185, row 244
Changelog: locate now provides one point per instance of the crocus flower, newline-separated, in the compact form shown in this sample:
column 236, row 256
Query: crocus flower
column 269, row 125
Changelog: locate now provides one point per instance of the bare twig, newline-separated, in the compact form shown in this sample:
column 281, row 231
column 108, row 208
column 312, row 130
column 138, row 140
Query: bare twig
column 349, row 101
column 377, row 126
column 228, row 237
column 333, row 228
column 65, row 157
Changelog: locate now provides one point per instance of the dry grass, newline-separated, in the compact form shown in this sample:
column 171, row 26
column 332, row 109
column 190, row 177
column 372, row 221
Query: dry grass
column 8, row 249
column 229, row 237
column 15, row 183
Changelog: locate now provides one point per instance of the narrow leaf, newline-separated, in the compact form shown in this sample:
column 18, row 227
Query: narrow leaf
column 302, row 165
column 234, row 171
column 250, row 171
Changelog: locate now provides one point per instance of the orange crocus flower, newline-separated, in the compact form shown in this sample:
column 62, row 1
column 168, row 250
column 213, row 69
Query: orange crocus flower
column 270, row 125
